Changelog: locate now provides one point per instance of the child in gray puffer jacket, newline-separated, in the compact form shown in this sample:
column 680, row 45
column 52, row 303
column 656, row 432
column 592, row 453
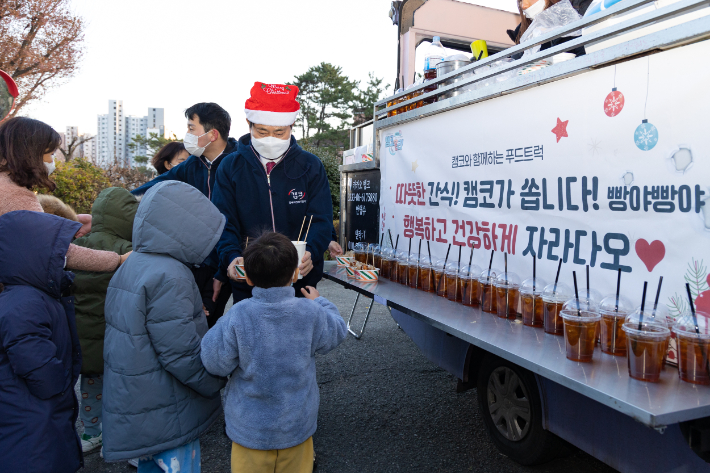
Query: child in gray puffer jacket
column 268, row 345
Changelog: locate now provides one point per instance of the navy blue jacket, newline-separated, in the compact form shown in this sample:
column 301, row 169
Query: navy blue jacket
column 40, row 357
column 197, row 172
column 299, row 188
column 194, row 171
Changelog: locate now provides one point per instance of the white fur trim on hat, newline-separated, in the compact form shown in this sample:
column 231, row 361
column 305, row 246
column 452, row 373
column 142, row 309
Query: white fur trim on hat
column 260, row 117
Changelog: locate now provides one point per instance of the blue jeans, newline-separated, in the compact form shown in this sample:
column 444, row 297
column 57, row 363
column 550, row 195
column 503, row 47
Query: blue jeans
column 183, row 459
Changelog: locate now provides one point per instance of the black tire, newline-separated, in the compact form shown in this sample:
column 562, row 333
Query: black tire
column 513, row 417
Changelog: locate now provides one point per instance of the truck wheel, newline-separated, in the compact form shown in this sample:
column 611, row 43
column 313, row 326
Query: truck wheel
column 509, row 403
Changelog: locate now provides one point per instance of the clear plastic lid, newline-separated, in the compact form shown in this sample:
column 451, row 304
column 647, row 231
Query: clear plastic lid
column 439, row 264
column 637, row 322
column 508, row 279
column 403, row 256
column 530, row 285
column 585, row 303
column 359, row 247
column 583, row 315
column 425, row 262
column 452, row 267
column 686, row 325
column 374, row 248
column 489, row 275
column 559, row 292
column 608, row 306
column 414, row 259
column 387, row 253
column 470, row 272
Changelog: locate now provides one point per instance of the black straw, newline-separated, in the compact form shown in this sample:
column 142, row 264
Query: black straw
column 658, row 294
column 618, row 288
column 390, row 234
column 381, row 239
column 396, row 243
column 459, row 258
column 692, row 308
column 470, row 259
column 589, row 294
column 443, row 271
column 428, row 248
column 420, row 249
column 554, row 288
column 643, row 303
column 534, row 275
column 409, row 253
column 576, row 292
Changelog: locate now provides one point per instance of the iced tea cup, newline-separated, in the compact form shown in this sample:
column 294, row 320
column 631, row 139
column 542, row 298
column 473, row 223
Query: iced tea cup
column 486, row 289
column 645, row 349
column 507, row 287
column 413, row 276
column 439, row 278
column 426, row 277
column 387, row 255
column 453, row 288
column 531, row 305
column 612, row 336
column 301, row 250
column 402, row 266
column 469, row 287
column 360, row 253
column 579, row 329
column 553, row 300
column 693, row 348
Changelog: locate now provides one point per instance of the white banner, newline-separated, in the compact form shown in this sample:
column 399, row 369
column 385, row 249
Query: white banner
column 572, row 169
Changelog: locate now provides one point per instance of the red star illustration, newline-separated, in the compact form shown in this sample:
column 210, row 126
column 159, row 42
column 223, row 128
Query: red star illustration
column 561, row 129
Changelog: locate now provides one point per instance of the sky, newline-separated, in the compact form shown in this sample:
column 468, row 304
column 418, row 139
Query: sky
column 175, row 53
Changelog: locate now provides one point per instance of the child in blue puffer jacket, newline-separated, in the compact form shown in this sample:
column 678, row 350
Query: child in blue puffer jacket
column 268, row 345
column 40, row 356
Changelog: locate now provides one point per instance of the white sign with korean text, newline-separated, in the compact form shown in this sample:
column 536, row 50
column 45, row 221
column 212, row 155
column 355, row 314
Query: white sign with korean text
column 609, row 168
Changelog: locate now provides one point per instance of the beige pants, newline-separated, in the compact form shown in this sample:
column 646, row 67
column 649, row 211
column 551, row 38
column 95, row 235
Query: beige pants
column 298, row 459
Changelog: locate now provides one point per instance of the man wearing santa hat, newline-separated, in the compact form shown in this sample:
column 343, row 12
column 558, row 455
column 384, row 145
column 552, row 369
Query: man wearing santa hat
column 271, row 183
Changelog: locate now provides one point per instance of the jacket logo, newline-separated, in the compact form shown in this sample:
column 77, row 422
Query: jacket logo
column 297, row 197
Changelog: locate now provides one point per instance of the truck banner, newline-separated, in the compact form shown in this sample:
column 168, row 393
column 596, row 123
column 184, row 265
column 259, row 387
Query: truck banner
column 609, row 168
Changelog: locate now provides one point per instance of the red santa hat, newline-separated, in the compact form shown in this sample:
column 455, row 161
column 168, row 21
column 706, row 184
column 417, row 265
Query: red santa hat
column 272, row 104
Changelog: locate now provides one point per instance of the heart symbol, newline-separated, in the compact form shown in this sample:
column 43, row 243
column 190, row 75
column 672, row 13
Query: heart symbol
column 650, row 254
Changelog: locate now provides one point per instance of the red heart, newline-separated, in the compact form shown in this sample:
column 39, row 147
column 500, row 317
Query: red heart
column 651, row 254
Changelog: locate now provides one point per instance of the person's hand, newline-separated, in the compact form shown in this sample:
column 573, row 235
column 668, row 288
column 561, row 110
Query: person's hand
column 85, row 220
column 124, row 258
column 306, row 264
column 216, row 287
column 204, row 309
column 310, row 292
column 335, row 249
column 232, row 269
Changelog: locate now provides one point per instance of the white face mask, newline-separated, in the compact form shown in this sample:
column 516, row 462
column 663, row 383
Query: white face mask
column 50, row 167
column 190, row 142
column 270, row 148
column 535, row 9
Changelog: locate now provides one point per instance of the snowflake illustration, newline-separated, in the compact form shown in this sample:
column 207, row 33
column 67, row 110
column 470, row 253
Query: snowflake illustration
column 594, row 147
column 646, row 136
column 613, row 105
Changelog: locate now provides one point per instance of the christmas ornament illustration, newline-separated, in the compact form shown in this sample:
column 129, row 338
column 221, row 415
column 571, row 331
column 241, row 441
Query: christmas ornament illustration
column 614, row 103
column 646, row 136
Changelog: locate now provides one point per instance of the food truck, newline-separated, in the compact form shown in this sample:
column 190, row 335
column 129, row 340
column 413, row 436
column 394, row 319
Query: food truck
column 542, row 232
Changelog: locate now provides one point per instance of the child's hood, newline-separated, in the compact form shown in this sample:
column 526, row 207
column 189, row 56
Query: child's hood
column 113, row 212
column 176, row 219
column 33, row 249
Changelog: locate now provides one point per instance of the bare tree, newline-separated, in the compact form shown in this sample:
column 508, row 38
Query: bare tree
column 41, row 43
column 70, row 149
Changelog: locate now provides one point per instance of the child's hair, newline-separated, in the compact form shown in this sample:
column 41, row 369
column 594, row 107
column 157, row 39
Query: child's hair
column 270, row 260
column 166, row 155
column 54, row 206
column 23, row 142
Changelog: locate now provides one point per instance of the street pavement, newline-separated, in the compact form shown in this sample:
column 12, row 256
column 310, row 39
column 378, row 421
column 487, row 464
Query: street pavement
column 385, row 408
